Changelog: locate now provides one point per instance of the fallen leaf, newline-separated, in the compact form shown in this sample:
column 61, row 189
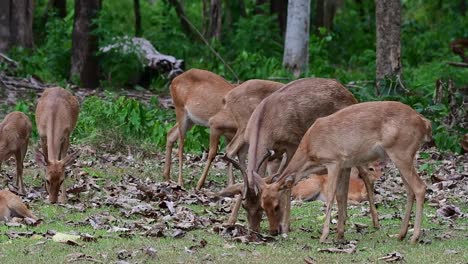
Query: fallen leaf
column 66, row 238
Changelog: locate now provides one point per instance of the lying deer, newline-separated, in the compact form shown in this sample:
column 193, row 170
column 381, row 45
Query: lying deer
column 14, row 138
column 197, row 96
column 278, row 124
column 238, row 105
column 353, row 136
column 56, row 117
column 314, row 187
column 12, row 206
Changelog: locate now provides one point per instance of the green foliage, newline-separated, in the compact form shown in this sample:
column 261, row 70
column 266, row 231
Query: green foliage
column 51, row 60
column 125, row 120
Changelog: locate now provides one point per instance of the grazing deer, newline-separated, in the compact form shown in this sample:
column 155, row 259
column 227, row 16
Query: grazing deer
column 353, row 136
column 12, row 206
column 197, row 96
column 278, row 124
column 238, row 105
column 15, row 131
column 56, row 117
column 314, row 187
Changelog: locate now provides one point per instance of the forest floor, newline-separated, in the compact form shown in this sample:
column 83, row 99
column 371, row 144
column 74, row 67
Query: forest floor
column 120, row 211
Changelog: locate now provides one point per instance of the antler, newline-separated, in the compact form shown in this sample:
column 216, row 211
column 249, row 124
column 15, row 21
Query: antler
column 269, row 153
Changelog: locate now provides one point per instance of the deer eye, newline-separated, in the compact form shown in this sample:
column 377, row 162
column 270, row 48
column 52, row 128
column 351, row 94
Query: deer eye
column 277, row 208
column 371, row 169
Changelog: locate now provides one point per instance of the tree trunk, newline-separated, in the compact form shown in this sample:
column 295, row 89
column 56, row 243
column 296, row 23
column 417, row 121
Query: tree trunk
column 296, row 53
column 462, row 6
column 259, row 6
column 388, row 61
column 60, row 6
column 215, row 19
column 16, row 20
column 325, row 14
column 179, row 8
column 280, row 8
column 136, row 9
column 84, row 63
column 4, row 25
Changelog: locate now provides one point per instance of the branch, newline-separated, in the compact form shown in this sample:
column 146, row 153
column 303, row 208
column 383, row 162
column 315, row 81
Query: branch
column 8, row 60
column 458, row 64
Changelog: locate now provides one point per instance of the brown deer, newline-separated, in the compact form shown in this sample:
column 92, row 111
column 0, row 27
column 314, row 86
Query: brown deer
column 12, row 206
column 277, row 126
column 353, row 136
column 238, row 105
column 15, row 131
column 314, row 187
column 459, row 46
column 56, row 116
column 197, row 96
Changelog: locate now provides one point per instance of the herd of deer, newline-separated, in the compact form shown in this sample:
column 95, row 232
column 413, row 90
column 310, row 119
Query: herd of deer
column 312, row 129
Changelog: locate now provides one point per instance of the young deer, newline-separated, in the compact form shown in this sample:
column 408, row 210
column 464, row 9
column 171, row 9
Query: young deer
column 314, row 187
column 14, row 138
column 353, row 136
column 238, row 105
column 197, row 96
column 278, row 124
column 56, row 116
column 12, row 206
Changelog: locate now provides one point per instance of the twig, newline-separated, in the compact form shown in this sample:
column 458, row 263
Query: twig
column 458, row 64
column 7, row 59
column 211, row 48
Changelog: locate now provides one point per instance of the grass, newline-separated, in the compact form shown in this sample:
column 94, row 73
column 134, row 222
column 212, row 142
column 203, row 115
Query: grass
column 302, row 242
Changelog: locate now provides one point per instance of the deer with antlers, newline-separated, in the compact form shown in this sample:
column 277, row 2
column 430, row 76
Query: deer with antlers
column 238, row 105
column 353, row 136
column 277, row 126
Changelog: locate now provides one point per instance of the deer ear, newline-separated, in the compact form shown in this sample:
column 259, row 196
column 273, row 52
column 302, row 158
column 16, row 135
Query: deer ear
column 231, row 190
column 41, row 159
column 69, row 159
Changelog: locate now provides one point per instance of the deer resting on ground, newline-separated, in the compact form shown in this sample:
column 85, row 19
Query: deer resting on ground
column 15, row 131
column 353, row 136
column 56, row 116
column 315, row 186
column 12, row 206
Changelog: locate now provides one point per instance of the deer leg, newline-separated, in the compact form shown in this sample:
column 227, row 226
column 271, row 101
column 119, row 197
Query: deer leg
column 215, row 134
column 286, row 217
column 416, row 189
column 235, row 210
column 342, row 187
column 172, row 136
column 333, row 175
column 44, row 148
column 184, row 125
column 370, row 197
column 19, row 157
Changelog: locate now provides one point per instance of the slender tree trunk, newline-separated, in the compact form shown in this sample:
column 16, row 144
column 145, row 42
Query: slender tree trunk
column 388, row 61
column 296, row 45
column 179, row 8
column 259, row 6
column 215, row 19
column 16, row 20
column 462, row 6
column 60, row 6
column 84, row 63
column 325, row 14
column 280, row 7
column 205, row 16
column 136, row 9
column 4, row 25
